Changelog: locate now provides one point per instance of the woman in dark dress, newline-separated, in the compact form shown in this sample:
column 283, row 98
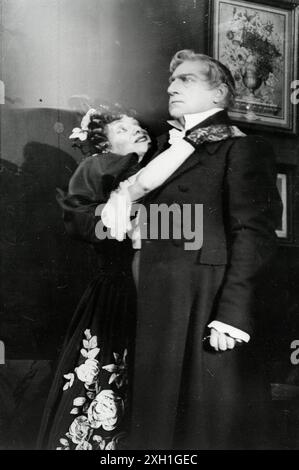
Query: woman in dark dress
column 87, row 407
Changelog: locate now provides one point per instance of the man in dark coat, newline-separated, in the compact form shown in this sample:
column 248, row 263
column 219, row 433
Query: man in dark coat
column 198, row 382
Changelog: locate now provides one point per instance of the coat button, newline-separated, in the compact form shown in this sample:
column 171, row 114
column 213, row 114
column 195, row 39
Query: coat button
column 183, row 188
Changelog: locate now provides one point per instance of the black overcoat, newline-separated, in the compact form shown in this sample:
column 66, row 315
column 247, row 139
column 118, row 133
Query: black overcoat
column 186, row 396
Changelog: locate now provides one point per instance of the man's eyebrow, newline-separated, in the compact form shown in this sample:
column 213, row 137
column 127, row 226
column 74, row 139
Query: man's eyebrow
column 182, row 75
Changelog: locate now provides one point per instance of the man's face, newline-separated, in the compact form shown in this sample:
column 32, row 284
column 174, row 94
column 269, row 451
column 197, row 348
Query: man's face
column 188, row 92
column 126, row 136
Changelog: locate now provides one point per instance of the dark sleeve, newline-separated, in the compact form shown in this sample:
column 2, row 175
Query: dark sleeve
column 85, row 193
column 252, row 212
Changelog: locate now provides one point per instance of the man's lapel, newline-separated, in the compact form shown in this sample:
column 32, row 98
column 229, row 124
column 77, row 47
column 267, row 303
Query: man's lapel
column 218, row 118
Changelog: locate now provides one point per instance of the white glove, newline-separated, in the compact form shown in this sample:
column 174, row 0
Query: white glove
column 116, row 213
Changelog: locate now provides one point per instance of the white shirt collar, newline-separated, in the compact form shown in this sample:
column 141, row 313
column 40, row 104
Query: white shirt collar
column 192, row 120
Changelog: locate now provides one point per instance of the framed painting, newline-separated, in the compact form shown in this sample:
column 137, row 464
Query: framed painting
column 285, row 186
column 282, row 229
column 258, row 43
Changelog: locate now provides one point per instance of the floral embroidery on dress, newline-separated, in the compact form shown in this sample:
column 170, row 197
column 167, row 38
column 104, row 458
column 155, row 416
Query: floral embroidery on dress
column 118, row 370
column 100, row 412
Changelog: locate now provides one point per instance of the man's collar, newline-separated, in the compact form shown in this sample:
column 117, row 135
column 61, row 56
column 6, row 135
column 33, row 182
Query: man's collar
column 214, row 116
column 176, row 123
column 192, row 120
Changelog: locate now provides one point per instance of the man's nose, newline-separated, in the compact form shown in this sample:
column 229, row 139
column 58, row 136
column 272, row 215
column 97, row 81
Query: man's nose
column 172, row 88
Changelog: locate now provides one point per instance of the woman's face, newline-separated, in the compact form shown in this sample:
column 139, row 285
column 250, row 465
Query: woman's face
column 126, row 136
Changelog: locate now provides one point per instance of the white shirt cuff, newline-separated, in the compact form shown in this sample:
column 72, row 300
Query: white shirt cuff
column 136, row 238
column 230, row 330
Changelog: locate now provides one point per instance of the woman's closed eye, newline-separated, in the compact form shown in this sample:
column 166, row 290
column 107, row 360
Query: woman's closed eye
column 121, row 130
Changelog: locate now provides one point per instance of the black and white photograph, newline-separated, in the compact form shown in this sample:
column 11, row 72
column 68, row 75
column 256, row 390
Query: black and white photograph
column 149, row 227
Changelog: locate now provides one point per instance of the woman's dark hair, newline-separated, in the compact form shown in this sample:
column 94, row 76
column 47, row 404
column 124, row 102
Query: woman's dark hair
column 97, row 139
column 97, row 129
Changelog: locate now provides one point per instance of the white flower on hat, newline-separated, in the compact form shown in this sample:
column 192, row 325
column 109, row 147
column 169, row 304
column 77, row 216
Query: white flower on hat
column 78, row 133
column 81, row 133
column 86, row 119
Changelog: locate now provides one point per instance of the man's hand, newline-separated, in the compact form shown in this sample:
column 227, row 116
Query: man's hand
column 221, row 341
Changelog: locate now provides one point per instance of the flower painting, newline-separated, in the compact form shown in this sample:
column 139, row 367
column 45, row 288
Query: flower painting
column 257, row 43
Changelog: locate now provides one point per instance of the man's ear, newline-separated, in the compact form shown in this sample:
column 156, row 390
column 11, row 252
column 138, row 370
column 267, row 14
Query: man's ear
column 221, row 94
